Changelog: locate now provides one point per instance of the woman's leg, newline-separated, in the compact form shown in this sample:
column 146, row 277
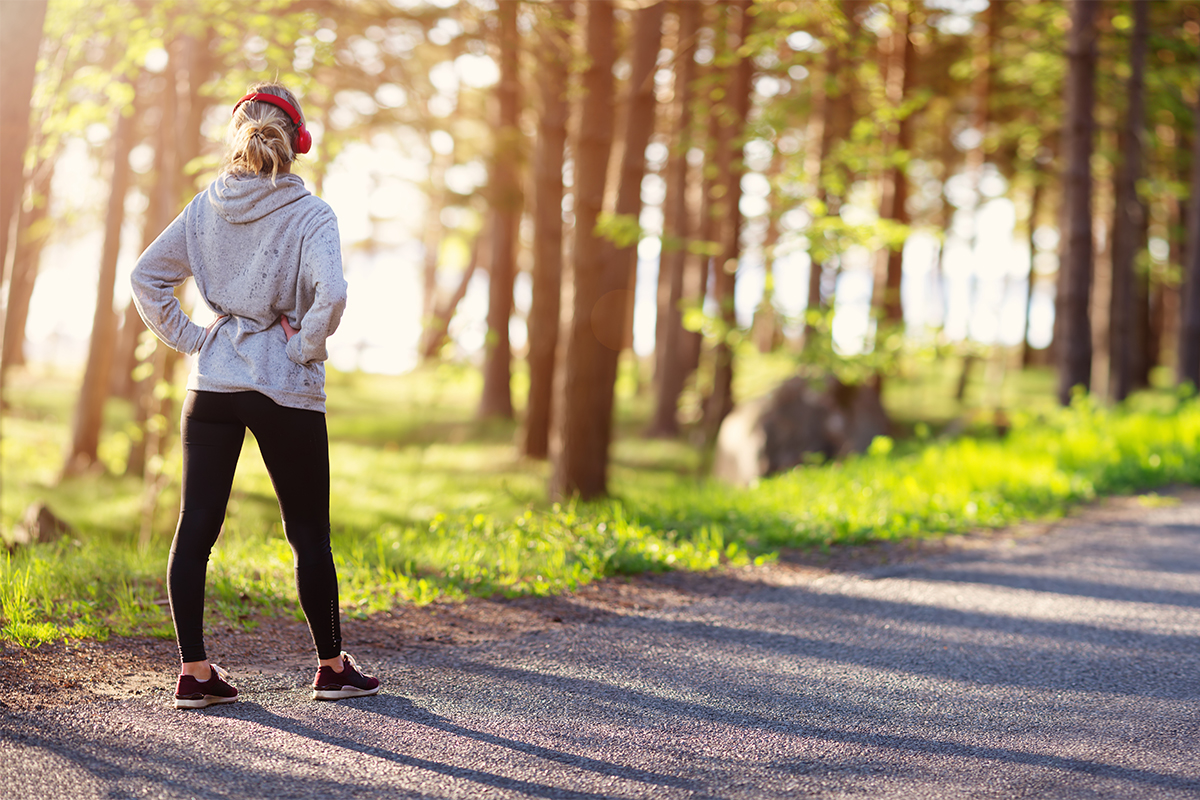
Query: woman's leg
column 295, row 449
column 212, row 440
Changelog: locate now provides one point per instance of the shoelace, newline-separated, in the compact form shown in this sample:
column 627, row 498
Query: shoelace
column 220, row 672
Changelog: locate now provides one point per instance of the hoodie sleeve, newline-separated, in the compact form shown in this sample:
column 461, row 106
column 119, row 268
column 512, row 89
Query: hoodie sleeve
column 161, row 268
column 322, row 293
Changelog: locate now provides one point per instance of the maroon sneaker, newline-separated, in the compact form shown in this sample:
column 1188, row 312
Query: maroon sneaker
column 191, row 693
column 330, row 685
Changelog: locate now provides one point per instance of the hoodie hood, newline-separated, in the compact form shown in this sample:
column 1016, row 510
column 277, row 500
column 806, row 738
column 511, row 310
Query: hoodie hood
column 241, row 199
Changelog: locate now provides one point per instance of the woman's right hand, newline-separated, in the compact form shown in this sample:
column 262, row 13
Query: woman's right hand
column 288, row 330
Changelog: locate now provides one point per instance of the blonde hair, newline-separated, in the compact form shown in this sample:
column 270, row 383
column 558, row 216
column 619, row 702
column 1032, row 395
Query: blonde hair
column 261, row 135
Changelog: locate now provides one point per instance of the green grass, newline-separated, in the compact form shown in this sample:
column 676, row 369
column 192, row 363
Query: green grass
column 431, row 504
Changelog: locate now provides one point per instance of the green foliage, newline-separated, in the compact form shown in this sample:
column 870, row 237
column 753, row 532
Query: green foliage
column 1045, row 464
column 623, row 230
column 431, row 506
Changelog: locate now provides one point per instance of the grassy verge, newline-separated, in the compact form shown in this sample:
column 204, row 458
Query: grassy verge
column 430, row 504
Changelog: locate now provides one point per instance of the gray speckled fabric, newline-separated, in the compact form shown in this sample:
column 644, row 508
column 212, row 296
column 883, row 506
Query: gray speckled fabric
column 257, row 251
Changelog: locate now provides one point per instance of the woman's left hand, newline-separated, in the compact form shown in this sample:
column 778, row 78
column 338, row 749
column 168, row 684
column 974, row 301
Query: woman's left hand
column 288, row 330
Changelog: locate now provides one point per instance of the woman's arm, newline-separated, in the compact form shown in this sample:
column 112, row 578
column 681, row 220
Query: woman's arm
column 161, row 268
column 322, row 282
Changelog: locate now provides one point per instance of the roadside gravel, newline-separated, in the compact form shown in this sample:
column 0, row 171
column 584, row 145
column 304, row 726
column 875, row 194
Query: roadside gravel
column 1061, row 662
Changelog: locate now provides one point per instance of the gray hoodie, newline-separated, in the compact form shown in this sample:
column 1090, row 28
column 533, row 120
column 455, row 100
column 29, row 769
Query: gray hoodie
column 257, row 252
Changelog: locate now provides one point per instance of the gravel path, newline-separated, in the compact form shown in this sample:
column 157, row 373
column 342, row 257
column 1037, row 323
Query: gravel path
column 1062, row 665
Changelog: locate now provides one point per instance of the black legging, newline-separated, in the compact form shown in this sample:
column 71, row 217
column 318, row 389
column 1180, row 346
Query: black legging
column 295, row 449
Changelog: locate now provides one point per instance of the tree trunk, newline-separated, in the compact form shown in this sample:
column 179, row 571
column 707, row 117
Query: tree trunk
column 20, row 38
column 975, row 160
column 1189, row 322
column 1141, row 354
column 506, row 211
column 820, row 138
column 580, row 462
column 834, row 108
column 434, row 337
column 545, row 308
column 89, row 413
column 766, row 334
column 698, row 280
column 897, row 137
column 669, row 368
column 163, row 198
column 1128, row 220
column 698, row 258
column 620, row 263
column 730, row 167
column 1075, row 346
column 33, row 229
column 1169, row 297
column 196, row 56
column 125, row 358
column 1035, row 205
column 433, row 234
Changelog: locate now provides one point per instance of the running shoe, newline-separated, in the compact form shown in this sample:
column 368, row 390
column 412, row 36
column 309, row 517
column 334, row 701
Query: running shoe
column 191, row 693
column 350, row 682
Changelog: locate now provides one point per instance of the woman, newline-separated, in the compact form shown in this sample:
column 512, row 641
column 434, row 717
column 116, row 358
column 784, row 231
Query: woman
column 266, row 257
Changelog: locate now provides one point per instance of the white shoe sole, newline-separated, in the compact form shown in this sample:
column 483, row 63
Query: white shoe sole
column 203, row 702
column 342, row 694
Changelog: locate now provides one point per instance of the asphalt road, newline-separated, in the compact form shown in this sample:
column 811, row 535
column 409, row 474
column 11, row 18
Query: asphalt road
column 1063, row 665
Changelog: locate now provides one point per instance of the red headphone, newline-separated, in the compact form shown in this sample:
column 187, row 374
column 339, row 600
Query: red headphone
column 303, row 141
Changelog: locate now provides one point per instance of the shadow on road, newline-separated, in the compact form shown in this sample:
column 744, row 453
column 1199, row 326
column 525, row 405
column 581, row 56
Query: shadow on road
column 605, row 693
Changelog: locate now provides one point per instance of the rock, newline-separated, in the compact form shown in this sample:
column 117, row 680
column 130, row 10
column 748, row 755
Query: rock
column 741, row 444
column 39, row 526
column 794, row 423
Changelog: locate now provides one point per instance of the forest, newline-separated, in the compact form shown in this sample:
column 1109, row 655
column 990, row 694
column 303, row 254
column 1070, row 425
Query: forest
column 659, row 209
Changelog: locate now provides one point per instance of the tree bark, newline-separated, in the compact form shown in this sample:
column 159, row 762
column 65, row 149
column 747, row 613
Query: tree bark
column 196, row 56
column 580, row 462
column 1189, row 323
column 670, row 371
column 820, row 139
column 1075, row 350
column 1140, row 358
column 1128, row 220
column 642, row 108
column 438, row 331
column 1035, row 205
column 1166, row 294
column 125, row 359
column 698, row 280
column 975, row 160
column 730, row 167
column 620, row 263
column 506, row 211
column 33, row 230
column 89, row 413
column 434, row 233
column 545, row 308
column 832, row 120
column 897, row 137
column 164, row 197
column 20, row 38
column 765, row 328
